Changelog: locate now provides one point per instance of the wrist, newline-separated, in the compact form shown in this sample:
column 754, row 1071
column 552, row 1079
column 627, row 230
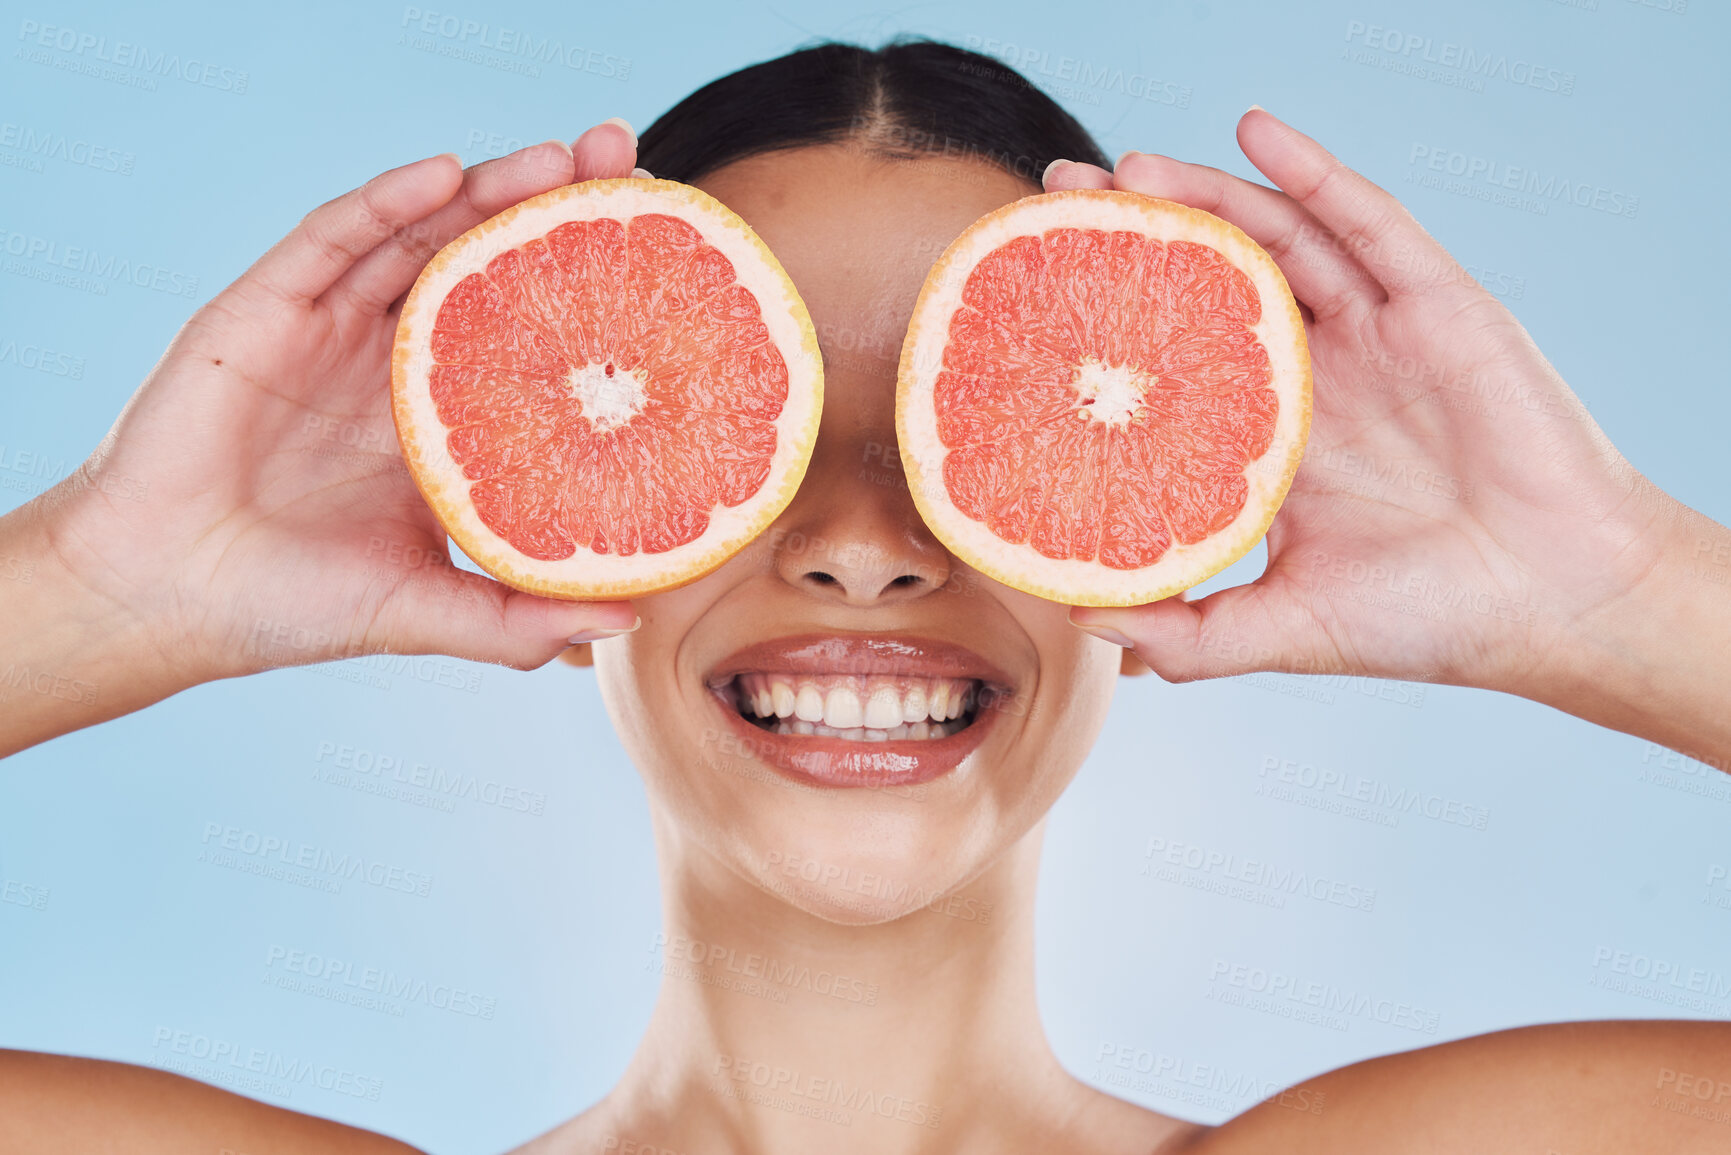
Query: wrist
column 1655, row 660
column 70, row 655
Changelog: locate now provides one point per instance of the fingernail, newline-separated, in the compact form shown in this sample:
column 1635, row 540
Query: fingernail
column 625, row 124
column 642, row 174
column 597, row 635
column 563, row 147
column 1050, row 169
column 1255, row 108
column 1122, row 155
column 1107, row 634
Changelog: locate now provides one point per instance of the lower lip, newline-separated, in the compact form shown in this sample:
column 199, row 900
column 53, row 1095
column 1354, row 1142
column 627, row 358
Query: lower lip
column 840, row 763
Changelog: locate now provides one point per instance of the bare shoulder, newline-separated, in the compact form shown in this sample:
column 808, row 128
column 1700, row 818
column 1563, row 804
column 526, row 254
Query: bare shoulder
column 54, row 1103
column 1568, row 1088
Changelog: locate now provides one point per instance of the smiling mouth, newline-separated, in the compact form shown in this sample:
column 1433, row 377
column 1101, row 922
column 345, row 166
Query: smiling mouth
column 854, row 708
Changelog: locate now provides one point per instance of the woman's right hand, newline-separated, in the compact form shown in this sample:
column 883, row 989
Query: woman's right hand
column 251, row 508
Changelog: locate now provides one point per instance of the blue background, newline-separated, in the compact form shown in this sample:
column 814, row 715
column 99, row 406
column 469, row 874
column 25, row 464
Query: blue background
column 1595, row 842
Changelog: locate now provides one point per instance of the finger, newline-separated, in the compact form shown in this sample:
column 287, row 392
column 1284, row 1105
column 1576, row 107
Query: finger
column 607, row 150
column 1232, row 631
column 1068, row 174
column 331, row 238
column 1373, row 225
column 386, row 273
column 1321, row 272
column 469, row 616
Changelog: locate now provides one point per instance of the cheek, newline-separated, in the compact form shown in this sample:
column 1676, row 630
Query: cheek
column 1078, row 674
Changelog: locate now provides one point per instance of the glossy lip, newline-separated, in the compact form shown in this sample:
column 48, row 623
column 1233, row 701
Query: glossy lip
column 837, row 762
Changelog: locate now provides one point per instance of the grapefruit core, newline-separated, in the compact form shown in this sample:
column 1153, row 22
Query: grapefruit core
column 1102, row 397
column 606, row 390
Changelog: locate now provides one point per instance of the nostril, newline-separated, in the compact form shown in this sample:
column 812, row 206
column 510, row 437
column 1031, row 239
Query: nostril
column 823, row 579
column 904, row 581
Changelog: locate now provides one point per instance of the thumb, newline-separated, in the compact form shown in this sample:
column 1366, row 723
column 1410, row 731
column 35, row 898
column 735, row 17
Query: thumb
column 1233, row 631
column 469, row 616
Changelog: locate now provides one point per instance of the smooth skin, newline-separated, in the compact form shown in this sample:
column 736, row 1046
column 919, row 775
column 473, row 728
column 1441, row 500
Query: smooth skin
column 1628, row 634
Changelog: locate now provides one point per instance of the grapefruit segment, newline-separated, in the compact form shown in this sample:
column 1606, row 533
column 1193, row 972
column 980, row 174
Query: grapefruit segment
column 1103, row 396
column 606, row 390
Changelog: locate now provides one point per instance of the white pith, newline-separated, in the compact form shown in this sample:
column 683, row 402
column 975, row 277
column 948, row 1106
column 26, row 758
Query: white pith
column 1110, row 393
column 1089, row 582
column 586, row 574
column 609, row 399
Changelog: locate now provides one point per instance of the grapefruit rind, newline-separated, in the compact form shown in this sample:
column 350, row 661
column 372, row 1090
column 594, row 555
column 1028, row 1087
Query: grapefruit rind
column 1280, row 329
column 586, row 575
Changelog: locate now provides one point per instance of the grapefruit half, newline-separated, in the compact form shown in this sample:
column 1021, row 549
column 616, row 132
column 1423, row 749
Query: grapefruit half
column 1103, row 396
column 606, row 390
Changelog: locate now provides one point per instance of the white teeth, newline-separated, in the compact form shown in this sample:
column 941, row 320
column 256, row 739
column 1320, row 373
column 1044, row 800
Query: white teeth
column 874, row 709
column 914, row 703
column 808, row 706
column 884, row 708
column 842, row 709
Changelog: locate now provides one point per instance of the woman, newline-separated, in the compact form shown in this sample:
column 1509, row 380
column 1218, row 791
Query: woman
column 857, row 168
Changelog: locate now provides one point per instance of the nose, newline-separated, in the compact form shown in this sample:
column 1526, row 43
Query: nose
column 852, row 533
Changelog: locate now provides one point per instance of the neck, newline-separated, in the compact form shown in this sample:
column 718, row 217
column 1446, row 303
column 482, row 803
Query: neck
column 777, row 1031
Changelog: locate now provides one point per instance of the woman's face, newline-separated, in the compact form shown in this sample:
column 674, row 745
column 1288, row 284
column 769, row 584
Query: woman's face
column 849, row 606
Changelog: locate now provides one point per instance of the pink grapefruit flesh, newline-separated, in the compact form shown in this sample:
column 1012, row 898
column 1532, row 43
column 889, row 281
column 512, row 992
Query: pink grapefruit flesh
column 1103, row 396
column 606, row 390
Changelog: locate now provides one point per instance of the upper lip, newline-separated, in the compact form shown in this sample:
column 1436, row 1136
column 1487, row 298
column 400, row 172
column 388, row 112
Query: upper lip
column 862, row 655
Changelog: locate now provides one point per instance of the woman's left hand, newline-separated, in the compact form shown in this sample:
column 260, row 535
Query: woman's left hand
column 1458, row 516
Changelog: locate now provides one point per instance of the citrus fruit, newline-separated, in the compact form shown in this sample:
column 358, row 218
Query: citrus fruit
column 1102, row 396
column 606, row 390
